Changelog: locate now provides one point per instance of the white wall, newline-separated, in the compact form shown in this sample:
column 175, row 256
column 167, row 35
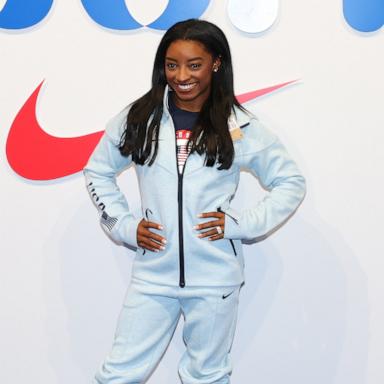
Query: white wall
column 311, row 310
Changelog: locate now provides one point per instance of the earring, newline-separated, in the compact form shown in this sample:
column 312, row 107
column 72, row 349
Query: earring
column 215, row 69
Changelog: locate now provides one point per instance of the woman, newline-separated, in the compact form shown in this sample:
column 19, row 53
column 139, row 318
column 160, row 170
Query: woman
column 188, row 138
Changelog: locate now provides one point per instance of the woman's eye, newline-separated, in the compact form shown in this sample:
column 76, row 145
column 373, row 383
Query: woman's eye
column 195, row 66
column 171, row 65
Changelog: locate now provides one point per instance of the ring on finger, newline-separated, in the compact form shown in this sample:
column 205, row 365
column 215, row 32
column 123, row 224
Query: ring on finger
column 219, row 230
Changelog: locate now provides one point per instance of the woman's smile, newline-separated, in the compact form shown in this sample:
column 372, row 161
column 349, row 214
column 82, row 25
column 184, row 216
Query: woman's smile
column 186, row 87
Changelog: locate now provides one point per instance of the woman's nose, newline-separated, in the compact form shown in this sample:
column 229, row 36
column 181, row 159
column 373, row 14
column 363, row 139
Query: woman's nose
column 182, row 74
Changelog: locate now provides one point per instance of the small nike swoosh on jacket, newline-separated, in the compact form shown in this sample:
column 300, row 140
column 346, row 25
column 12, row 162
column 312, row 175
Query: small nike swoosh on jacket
column 225, row 296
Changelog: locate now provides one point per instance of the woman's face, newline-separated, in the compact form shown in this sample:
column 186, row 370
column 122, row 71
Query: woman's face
column 188, row 69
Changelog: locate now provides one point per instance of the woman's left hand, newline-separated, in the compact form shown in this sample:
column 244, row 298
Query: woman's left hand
column 214, row 229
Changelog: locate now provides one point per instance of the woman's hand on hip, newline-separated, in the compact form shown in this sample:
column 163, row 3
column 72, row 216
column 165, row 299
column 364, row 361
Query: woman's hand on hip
column 149, row 240
column 214, row 229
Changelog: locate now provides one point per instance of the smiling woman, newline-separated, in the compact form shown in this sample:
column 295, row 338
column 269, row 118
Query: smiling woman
column 188, row 138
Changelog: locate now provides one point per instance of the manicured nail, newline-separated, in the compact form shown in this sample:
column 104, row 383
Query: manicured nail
column 161, row 227
column 200, row 235
column 200, row 215
column 162, row 248
column 164, row 241
column 156, row 250
column 196, row 227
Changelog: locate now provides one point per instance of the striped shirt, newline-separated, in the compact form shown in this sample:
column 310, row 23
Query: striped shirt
column 184, row 122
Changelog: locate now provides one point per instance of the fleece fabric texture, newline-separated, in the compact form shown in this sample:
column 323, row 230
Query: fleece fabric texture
column 204, row 189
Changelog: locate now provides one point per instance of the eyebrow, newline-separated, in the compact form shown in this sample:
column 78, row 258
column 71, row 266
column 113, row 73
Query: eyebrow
column 193, row 59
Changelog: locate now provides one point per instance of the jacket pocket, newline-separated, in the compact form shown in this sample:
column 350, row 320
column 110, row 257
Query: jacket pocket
column 146, row 214
column 150, row 215
column 230, row 240
column 233, row 247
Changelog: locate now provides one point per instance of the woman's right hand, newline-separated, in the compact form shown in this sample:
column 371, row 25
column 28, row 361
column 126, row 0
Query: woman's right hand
column 149, row 240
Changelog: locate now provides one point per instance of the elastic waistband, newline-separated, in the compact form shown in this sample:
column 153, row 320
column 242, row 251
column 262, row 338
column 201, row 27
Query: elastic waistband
column 176, row 291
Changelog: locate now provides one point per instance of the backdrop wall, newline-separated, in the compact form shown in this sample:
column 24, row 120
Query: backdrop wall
column 311, row 310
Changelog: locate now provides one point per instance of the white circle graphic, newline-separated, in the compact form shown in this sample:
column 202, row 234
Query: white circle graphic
column 253, row 16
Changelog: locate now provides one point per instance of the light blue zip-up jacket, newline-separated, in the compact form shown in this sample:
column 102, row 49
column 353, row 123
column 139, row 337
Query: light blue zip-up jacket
column 175, row 202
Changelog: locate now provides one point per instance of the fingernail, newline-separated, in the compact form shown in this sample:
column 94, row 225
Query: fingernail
column 156, row 250
column 161, row 227
column 162, row 248
column 164, row 241
column 196, row 227
column 199, row 235
column 200, row 215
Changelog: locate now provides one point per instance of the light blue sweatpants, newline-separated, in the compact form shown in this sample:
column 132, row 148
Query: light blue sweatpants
column 148, row 320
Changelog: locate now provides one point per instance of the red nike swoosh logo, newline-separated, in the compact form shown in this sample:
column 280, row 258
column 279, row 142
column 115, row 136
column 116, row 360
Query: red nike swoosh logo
column 36, row 155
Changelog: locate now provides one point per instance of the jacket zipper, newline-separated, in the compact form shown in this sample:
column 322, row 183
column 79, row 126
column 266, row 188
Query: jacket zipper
column 181, row 237
column 180, row 212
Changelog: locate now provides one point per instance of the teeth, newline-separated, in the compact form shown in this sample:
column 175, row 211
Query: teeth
column 185, row 87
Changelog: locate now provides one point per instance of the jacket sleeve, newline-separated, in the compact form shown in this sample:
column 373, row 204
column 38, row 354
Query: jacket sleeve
column 100, row 174
column 265, row 157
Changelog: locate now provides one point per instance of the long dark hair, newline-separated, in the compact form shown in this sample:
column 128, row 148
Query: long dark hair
column 210, row 136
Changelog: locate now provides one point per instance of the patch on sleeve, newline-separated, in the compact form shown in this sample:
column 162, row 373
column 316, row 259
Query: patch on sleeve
column 108, row 221
column 234, row 128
